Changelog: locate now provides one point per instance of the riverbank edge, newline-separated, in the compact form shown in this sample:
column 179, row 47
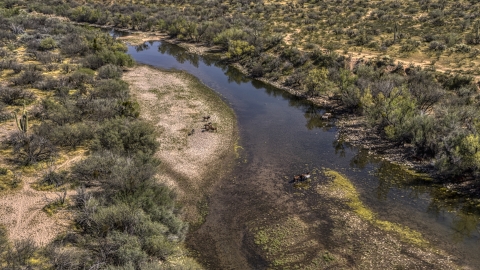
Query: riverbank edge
column 217, row 149
column 352, row 128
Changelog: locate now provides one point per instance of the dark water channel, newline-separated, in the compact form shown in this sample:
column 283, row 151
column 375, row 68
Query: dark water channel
column 282, row 135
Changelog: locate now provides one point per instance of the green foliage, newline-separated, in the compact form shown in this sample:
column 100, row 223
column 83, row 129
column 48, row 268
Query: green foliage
column 109, row 71
column 16, row 96
column 226, row 36
column 114, row 89
column 22, row 123
column 126, row 137
column 67, row 135
column 183, row 29
column 238, row 48
column 318, row 83
column 47, row 44
column 394, row 112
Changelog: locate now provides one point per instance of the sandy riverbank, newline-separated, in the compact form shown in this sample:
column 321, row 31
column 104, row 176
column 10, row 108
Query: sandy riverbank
column 175, row 103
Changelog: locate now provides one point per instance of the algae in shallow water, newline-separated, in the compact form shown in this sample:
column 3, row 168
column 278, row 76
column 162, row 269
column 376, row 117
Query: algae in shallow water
column 353, row 200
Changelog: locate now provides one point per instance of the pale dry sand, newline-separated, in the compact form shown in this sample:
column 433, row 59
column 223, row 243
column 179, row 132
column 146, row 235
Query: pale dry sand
column 21, row 211
column 173, row 103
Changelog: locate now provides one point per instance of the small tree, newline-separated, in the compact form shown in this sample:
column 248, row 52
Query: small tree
column 317, row 82
column 238, row 48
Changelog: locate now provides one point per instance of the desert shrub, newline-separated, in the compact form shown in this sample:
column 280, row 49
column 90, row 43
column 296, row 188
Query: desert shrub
column 60, row 113
column 68, row 135
column 425, row 137
column 28, row 76
column 48, row 57
column 104, row 57
column 68, row 258
column 109, row 71
column 74, row 44
column 126, row 137
column 409, row 45
column 116, row 173
column 16, row 96
column 18, row 255
column 426, row 90
column 455, row 82
column 226, row 36
column 295, row 56
column 81, row 76
column 124, row 248
column 4, row 114
column 54, row 178
column 31, row 148
column 50, row 83
column 128, row 108
column 462, row 48
column 47, row 44
column 97, row 166
column 7, row 35
column 3, row 53
column 117, row 89
column 99, row 109
column 16, row 67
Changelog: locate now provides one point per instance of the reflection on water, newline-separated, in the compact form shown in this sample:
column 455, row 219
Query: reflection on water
column 142, row 47
column 313, row 114
column 291, row 135
column 464, row 215
column 180, row 54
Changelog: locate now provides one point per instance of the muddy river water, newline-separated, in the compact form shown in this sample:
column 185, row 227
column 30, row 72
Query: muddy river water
column 282, row 135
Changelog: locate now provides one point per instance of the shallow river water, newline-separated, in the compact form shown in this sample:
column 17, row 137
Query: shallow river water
column 282, row 135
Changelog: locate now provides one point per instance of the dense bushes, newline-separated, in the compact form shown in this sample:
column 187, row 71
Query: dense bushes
column 31, row 148
column 122, row 135
column 16, row 96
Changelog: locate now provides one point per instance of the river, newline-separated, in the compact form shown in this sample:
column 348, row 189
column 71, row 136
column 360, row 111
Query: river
column 282, row 135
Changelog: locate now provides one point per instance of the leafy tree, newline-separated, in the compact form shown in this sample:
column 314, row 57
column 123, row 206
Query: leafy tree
column 318, row 83
column 226, row 36
column 238, row 48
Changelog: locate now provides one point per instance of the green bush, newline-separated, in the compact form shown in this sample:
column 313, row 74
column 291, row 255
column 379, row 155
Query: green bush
column 109, row 71
column 60, row 113
column 116, row 89
column 126, row 137
column 81, row 76
column 68, row 135
column 16, row 96
column 47, row 44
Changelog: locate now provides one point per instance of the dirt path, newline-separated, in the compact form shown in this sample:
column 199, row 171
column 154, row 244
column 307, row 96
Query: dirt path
column 22, row 215
column 175, row 102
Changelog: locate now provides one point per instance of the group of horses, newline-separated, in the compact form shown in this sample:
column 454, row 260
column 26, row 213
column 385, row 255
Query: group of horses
column 208, row 126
